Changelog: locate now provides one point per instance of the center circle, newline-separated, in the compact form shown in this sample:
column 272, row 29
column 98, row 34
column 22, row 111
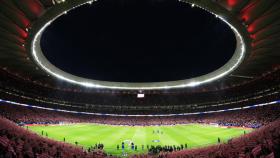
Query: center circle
column 138, row 41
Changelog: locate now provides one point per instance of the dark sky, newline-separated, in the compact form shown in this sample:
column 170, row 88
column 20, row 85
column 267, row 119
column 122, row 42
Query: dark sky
column 138, row 41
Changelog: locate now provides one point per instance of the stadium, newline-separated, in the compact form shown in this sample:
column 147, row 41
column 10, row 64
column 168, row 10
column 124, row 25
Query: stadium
column 139, row 78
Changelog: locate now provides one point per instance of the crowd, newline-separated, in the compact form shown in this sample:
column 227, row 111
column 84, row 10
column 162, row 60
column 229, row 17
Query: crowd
column 251, row 118
column 17, row 142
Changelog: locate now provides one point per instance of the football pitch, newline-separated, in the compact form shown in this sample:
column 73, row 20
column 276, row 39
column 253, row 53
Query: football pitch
column 192, row 135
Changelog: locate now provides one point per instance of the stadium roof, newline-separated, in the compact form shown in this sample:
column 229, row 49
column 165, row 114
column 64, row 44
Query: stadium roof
column 257, row 22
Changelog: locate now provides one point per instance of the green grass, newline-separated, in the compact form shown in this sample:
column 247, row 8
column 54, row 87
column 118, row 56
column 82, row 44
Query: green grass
column 194, row 135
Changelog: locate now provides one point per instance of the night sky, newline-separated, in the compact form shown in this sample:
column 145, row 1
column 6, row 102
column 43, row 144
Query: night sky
column 138, row 41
